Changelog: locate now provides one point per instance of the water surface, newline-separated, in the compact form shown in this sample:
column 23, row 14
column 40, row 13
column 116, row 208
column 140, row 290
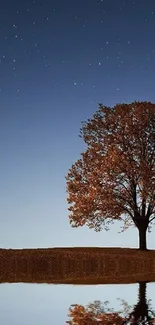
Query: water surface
column 37, row 304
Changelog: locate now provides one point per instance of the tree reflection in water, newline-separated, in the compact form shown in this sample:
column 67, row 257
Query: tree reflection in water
column 99, row 313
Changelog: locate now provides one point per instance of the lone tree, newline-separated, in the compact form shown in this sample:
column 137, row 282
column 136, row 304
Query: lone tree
column 115, row 177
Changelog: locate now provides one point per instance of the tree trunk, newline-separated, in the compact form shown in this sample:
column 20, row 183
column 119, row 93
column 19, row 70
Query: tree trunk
column 142, row 292
column 142, row 238
column 140, row 312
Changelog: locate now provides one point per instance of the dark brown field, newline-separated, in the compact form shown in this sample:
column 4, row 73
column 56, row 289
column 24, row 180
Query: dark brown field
column 79, row 265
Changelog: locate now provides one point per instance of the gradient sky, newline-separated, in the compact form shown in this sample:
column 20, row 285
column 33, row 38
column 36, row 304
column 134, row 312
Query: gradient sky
column 58, row 60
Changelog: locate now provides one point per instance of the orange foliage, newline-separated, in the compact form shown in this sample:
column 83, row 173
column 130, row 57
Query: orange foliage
column 97, row 313
column 115, row 177
column 82, row 316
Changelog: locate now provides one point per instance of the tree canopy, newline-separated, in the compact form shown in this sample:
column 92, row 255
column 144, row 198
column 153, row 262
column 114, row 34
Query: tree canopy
column 115, row 177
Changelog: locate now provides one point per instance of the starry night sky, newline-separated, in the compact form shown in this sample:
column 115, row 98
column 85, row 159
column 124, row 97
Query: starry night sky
column 58, row 60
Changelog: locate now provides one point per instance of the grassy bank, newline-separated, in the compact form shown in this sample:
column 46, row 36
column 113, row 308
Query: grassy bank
column 77, row 265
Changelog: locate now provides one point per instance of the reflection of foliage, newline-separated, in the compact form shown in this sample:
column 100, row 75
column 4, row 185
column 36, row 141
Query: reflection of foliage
column 126, row 308
column 99, row 313
column 93, row 314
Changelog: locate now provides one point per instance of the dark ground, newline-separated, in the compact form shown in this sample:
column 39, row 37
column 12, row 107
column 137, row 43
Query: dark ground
column 77, row 265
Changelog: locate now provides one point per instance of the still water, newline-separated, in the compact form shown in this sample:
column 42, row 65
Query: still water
column 37, row 304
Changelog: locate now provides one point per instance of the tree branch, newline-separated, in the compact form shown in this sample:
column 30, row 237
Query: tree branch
column 151, row 219
column 134, row 194
column 143, row 207
column 126, row 209
column 121, row 198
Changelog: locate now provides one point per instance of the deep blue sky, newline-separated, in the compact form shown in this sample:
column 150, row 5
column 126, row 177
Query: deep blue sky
column 58, row 60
